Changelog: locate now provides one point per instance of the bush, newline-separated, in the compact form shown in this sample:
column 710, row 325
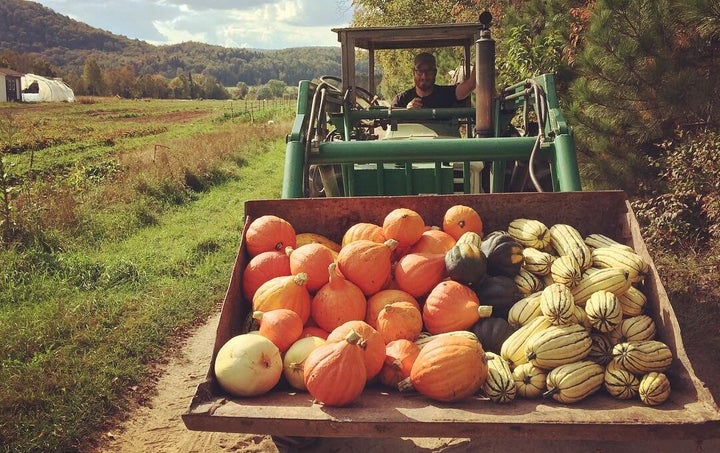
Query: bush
column 685, row 211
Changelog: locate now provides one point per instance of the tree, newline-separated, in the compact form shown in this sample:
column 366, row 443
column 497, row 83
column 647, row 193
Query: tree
column 120, row 81
column 93, row 79
column 241, row 90
column 276, row 87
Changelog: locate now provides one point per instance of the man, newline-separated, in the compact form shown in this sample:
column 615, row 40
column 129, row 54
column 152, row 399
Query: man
column 426, row 94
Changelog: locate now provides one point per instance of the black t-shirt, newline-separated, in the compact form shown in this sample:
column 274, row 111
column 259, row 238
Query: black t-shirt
column 442, row 96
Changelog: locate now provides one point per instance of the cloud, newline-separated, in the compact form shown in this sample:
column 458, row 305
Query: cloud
column 269, row 24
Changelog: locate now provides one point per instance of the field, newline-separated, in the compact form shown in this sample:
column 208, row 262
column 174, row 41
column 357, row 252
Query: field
column 121, row 232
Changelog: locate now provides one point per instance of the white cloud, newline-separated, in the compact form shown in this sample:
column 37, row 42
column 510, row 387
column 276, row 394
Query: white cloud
column 271, row 24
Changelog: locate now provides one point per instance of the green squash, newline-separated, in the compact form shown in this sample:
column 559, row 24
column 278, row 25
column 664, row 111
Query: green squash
column 503, row 252
column 466, row 263
column 492, row 333
column 500, row 292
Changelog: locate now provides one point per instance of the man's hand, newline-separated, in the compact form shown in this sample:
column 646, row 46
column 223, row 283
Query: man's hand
column 416, row 103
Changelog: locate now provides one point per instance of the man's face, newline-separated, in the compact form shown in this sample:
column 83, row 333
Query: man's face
column 424, row 75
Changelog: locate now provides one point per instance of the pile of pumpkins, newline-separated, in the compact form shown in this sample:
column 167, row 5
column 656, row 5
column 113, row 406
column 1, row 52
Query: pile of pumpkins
column 445, row 311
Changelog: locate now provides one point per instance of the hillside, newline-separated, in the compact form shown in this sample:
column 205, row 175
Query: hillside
column 29, row 28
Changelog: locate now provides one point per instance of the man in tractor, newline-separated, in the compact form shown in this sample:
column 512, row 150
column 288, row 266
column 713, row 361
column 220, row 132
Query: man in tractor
column 426, row 94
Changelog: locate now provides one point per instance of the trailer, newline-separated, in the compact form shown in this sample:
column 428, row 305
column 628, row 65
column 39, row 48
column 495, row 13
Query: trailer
column 340, row 171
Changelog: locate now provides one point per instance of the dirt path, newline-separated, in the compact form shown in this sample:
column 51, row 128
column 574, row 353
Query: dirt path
column 158, row 427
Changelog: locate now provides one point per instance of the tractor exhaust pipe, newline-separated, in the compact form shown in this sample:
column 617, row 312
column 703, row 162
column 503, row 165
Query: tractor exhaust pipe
column 484, row 79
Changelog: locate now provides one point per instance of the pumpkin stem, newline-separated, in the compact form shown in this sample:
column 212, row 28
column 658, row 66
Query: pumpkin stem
column 353, row 337
column 551, row 392
column 405, row 386
column 300, row 279
column 485, row 311
column 257, row 315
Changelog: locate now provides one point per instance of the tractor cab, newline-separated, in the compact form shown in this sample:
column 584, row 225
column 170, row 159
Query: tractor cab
column 347, row 142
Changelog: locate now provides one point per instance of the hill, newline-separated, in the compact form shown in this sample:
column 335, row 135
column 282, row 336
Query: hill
column 29, row 28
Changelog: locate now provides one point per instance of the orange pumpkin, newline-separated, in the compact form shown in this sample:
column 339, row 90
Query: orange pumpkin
column 452, row 306
column 313, row 259
column 404, row 225
column 363, row 230
column 282, row 326
column 337, row 302
column 314, row 331
column 269, row 232
column 399, row 358
column 377, row 301
column 418, row 273
column 372, row 344
column 261, row 268
column 459, row 219
column 400, row 320
column 334, row 373
column 367, row 263
column 433, row 240
column 448, row 368
column 287, row 291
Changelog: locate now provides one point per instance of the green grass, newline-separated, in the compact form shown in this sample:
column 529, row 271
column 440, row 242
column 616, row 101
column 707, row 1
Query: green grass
column 82, row 319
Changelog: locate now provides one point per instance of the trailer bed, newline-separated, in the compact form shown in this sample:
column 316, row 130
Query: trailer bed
column 690, row 413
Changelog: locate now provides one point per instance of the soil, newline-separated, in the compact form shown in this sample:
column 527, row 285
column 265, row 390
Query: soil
column 156, row 426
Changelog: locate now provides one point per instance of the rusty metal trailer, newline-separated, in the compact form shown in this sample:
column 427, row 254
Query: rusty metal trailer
column 690, row 413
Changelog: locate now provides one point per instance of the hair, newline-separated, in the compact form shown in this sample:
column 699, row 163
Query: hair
column 426, row 58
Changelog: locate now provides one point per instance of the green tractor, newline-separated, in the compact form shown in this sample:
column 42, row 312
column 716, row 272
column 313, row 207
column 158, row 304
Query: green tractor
column 346, row 143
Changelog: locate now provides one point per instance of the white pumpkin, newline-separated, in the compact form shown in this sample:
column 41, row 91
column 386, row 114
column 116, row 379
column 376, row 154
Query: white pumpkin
column 248, row 365
column 294, row 360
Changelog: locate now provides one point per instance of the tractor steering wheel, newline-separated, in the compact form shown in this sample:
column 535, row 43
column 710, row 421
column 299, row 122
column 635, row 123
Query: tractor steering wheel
column 362, row 93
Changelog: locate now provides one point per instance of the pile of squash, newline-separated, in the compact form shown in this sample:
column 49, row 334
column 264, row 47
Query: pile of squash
column 447, row 311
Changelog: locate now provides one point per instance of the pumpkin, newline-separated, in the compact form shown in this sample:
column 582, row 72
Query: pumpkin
column 466, row 263
column 503, row 252
column 459, row 219
column 371, row 344
column 418, row 273
column 399, row 358
column 377, row 301
column 452, row 306
column 314, row 331
column 367, row 263
column 492, row 332
column 334, row 373
column 294, row 360
column 312, row 259
column 263, row 267
column 448, row 368
column 269, row 232
column 404, row 225
column 314, row 238
column 287, row 291
column 399, row 320
column 248, row 365
column 282, row 326
column 337, row 302
column 500, row 292
column 363, row 230
column 433, row 240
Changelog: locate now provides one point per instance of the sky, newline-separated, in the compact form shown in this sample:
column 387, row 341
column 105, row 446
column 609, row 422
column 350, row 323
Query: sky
column 254, row 24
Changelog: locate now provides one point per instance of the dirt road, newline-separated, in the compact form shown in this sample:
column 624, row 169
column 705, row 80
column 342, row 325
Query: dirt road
column 158, row 428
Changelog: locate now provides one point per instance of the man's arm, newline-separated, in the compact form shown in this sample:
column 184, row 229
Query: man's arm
column 464, row 88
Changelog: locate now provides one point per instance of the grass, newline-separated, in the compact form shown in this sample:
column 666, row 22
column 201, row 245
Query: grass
column 136, row 257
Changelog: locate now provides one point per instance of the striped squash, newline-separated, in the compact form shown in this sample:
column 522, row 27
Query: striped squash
column 530, row 233
column 636, row 266
column 524, row 310
column 632, row 302
column 603, row 311
column 614, row 280
column 514, row 348
column 557, row 304
column 636, row 328
column 527, row 282
column 426, row 337
column 621, row 384
column 597, row 240
column 601, row 350
column 575, row 381
column 536, row 261
column 530, row 380
column 499, row 386
column 566, row 240
column 566, row 269
column 640, row 357
column 558, row 345
column 654, row 388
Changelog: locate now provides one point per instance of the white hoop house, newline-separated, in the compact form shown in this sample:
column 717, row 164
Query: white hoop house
column 36, row 88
